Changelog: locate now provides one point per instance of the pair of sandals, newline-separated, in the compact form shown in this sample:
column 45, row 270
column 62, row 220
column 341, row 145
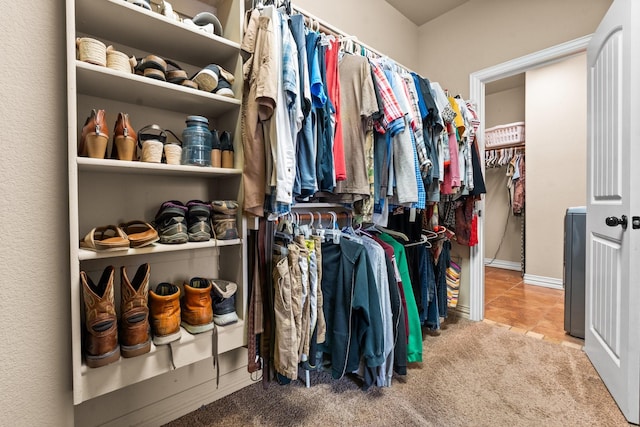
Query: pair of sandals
column 162, row 69
column 155, row 147
column 111, row 238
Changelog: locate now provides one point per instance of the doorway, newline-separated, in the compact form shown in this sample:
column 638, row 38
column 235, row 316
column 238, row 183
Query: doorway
column 478, row 83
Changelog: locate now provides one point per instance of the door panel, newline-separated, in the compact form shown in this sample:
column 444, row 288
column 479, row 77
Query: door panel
column 612, row 292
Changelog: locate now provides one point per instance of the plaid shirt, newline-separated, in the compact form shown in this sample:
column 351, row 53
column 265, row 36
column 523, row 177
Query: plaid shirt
column 416, row 123
column 392, row 112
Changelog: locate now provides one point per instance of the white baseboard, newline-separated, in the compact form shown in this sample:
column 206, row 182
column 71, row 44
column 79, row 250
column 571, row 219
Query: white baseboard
column 498, row 263
column 547, row 282
column 461, row 311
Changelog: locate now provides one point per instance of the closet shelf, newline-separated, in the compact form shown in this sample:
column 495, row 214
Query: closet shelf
column 152, row 32
column 87, row 164
column 156, row 248
column 103, row 82
column 188, row 350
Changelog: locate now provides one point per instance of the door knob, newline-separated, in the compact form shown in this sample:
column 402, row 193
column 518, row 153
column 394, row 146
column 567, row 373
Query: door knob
column 612, row 221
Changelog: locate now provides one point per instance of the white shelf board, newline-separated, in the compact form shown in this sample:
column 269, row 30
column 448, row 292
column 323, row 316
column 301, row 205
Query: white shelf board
column 103, row 82
column 88, row 164
column 156, row 248
column 152, row 32
column 188, row 350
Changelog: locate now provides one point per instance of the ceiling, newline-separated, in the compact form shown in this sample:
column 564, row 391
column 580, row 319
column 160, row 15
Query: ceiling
column 422, row 11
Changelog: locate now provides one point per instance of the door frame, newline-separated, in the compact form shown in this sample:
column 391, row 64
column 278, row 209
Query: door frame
column 477, row 81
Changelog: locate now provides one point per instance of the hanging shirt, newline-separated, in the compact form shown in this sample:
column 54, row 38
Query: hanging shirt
column 333, row 84
column 357, row 102
column 414, row 345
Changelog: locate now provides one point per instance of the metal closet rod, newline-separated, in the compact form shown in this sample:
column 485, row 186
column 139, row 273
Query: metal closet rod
column 329, row 29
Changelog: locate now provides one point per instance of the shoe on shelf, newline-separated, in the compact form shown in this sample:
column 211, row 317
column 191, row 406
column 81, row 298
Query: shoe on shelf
column 108, row 238
column 151, row 66
column 196, row 312
column 123, row 146
column 226, row 145
column 139, row 233
column 135, row 338
column 223, row 300
column 172, row 149
column 199, row 221
column 171, row 222
column 207, row 78
column 151, row 140
column 223, row 219
column 119, row 61
column 100, row 341
column 94, row 136
column 91, row 50
column 164, row 307
column 206, row 22
column 216, row 153
column 224, row 88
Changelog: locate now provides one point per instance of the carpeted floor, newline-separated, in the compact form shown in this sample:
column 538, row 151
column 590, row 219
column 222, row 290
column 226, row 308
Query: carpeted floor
column 473, row 374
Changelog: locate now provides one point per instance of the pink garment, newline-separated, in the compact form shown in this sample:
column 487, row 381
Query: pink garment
column 452, row 171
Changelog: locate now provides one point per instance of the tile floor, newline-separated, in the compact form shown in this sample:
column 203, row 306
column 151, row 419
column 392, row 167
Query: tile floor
column 528, row 309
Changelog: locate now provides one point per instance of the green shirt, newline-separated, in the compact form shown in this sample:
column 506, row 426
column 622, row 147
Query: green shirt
column 414, row 346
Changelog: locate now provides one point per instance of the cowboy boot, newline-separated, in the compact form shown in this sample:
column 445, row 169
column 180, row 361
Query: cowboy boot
column 196, row 311
column 164, row 307
column 100, row 326
column 124, row 139
column 95, row 136
column 134, row 318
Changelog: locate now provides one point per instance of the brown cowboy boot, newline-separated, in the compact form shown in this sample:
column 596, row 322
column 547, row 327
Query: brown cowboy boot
column 100, row 326
column 197, row 314
column 164, row 305
column 134, row 318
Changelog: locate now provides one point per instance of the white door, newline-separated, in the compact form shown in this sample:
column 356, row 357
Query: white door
column 612, row 333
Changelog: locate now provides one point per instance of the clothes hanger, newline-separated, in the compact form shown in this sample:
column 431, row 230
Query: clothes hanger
column 423, row 241
column 393, row 233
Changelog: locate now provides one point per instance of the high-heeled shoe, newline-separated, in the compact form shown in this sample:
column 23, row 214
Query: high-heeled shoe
column 95, row 136
column 124, row 139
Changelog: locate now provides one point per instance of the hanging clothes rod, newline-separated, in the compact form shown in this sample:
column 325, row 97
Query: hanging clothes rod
column 329, row 29
column 501, row 146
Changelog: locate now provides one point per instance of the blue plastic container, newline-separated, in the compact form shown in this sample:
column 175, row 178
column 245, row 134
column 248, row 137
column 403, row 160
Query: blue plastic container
column 196, row 142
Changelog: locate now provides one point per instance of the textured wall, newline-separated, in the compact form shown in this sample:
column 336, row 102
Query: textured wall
column 483, row 33
column 556, row 159
column 34, row 254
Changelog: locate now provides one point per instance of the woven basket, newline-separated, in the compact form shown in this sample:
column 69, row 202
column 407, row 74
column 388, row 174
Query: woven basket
column 512, row 133
column 117, row 60
column 91, row 50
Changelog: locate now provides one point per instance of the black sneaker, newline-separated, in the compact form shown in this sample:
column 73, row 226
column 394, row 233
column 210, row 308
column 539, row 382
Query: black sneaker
column 223, row 298
column 171, row 222
column 198, row 221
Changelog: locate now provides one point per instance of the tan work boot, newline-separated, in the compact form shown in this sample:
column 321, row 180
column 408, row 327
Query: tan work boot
column 101, row 329
column 134, row 312
column 164, row 305
column 197, row 314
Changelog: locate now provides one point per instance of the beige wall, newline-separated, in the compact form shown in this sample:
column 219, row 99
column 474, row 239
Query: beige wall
column 374, row 22
column 503, row 107
column 34, row 255
column 556, row 132
column 483, row 33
